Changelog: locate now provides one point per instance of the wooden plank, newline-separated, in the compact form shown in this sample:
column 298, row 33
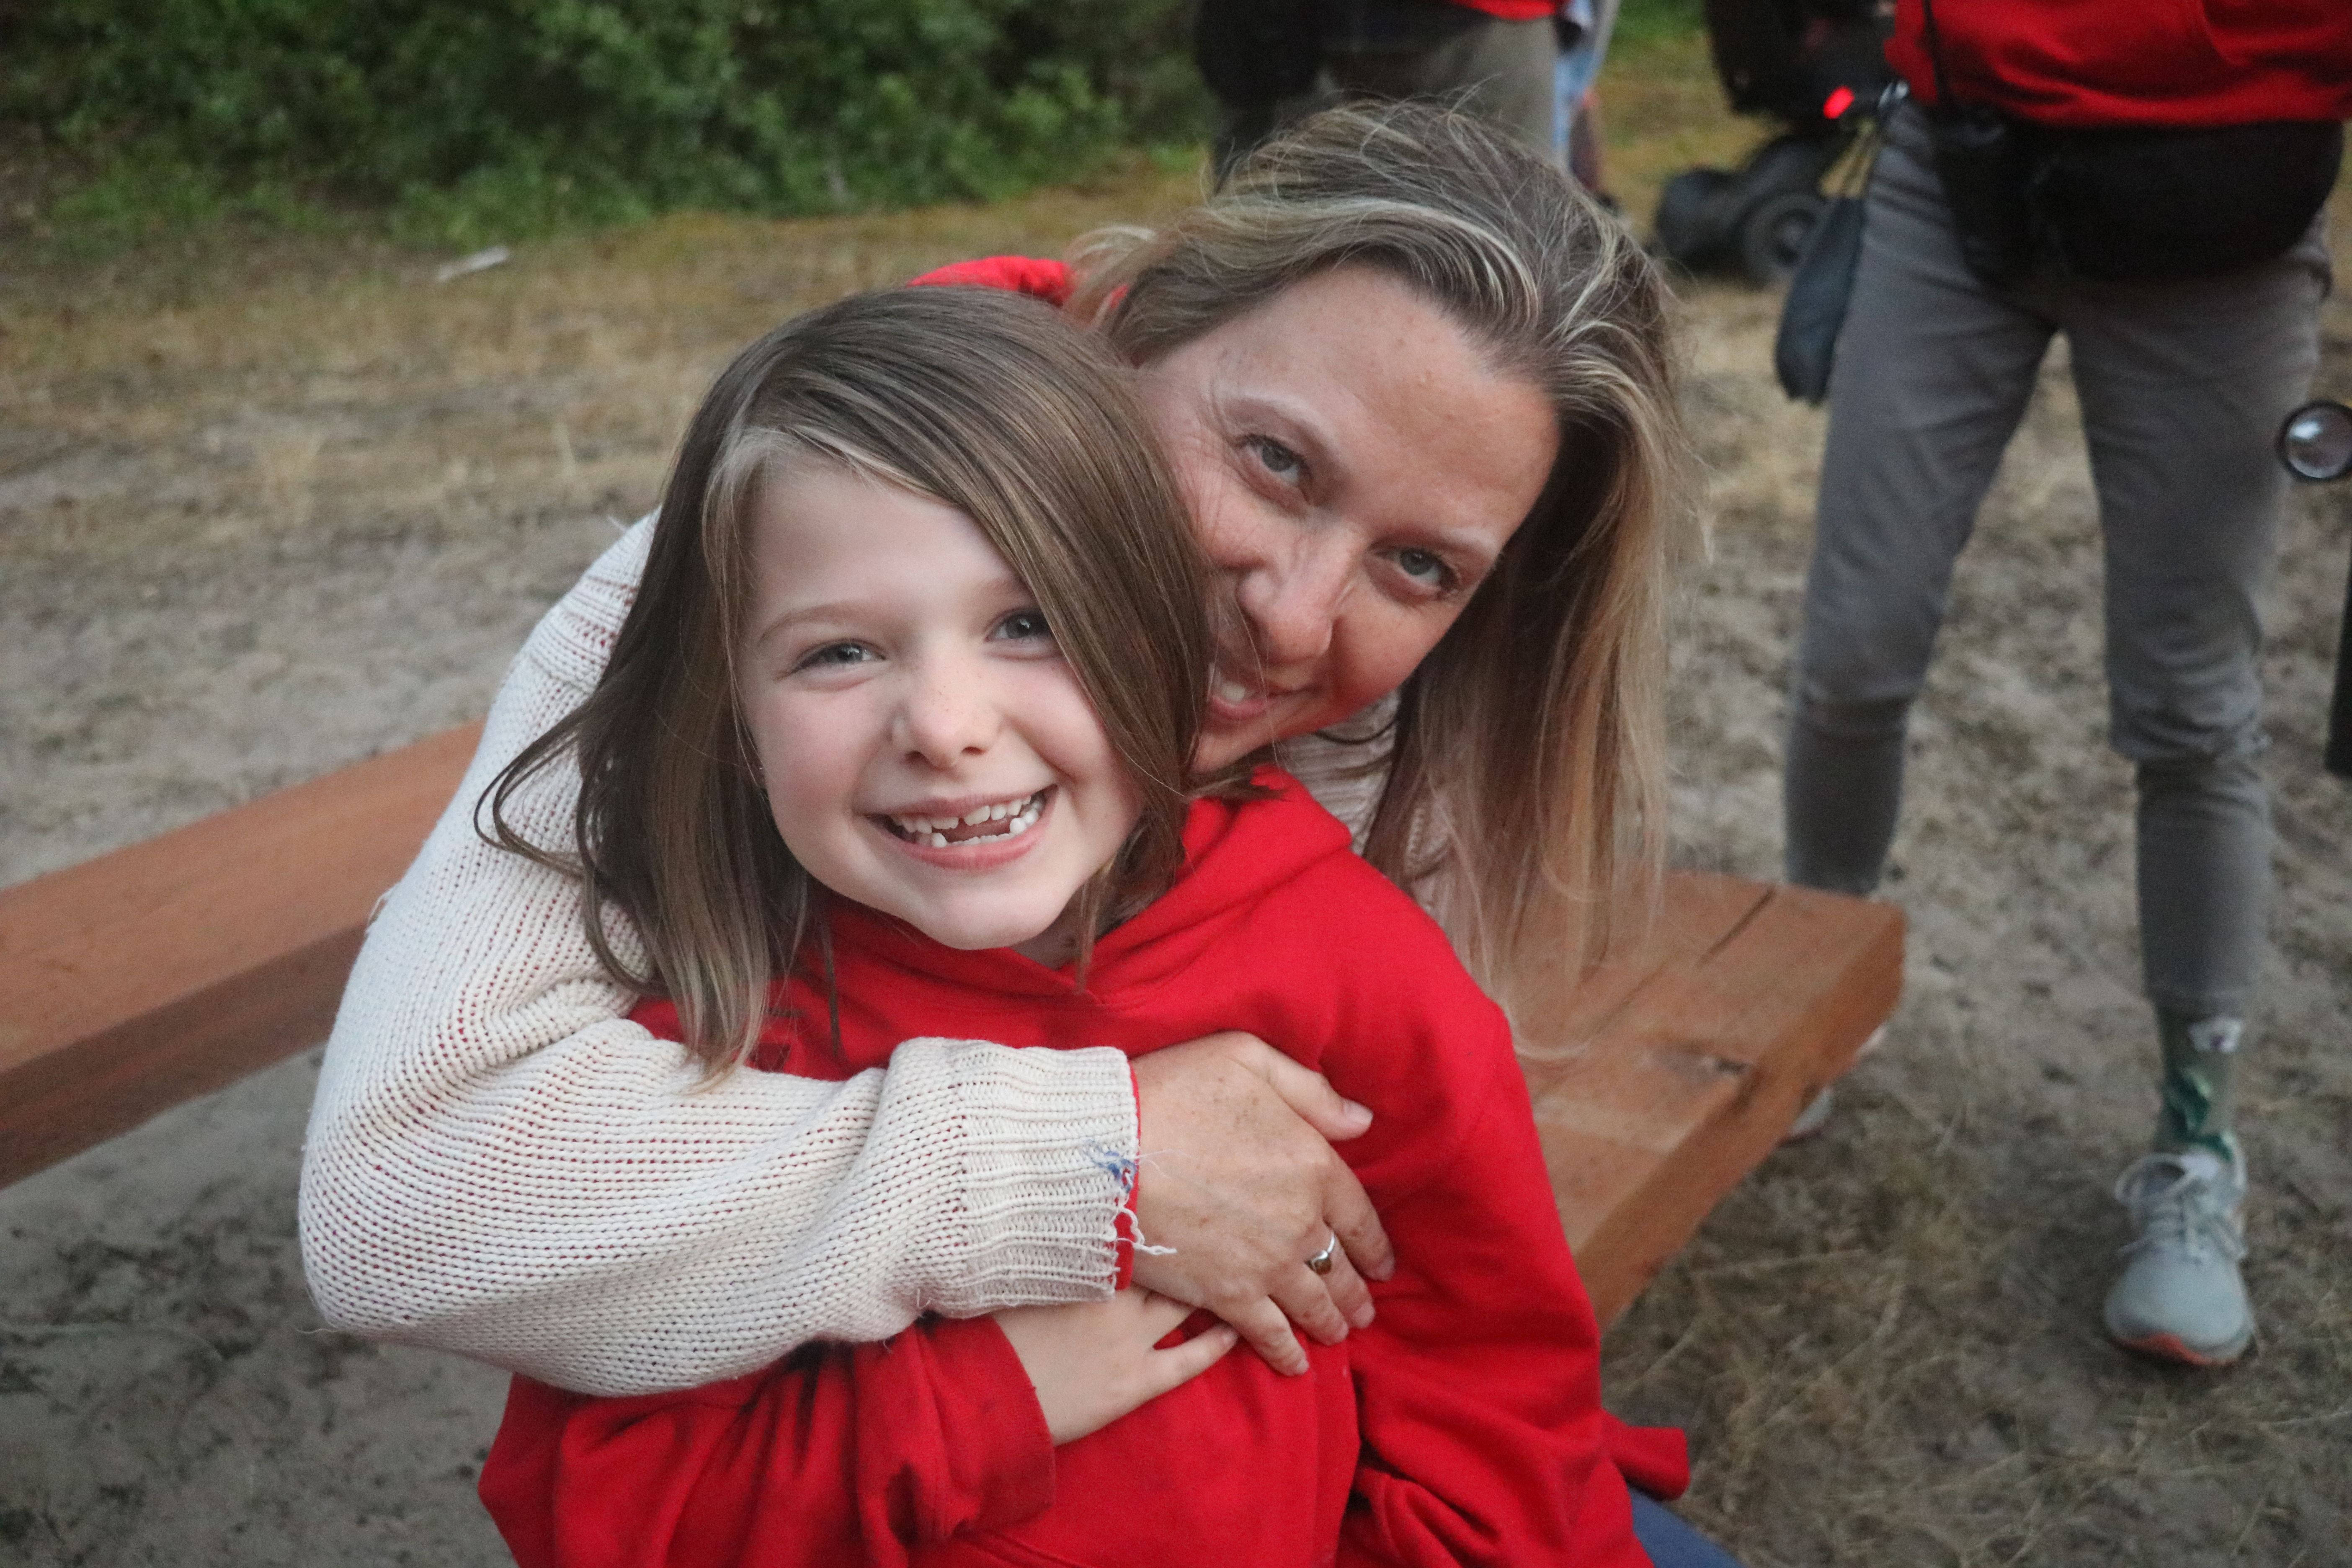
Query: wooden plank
column 168, row 969
column 1659, row 1084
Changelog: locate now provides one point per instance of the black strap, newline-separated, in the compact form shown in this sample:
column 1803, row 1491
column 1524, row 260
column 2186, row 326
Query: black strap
column 1944, row 98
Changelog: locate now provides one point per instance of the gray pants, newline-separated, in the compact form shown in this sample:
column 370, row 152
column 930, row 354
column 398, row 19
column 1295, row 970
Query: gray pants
column 2183, row 387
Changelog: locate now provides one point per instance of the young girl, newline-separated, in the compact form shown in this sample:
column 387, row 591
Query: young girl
column 894, row 744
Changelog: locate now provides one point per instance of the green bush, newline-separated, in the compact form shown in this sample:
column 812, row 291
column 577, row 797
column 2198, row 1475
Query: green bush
column 473, row 116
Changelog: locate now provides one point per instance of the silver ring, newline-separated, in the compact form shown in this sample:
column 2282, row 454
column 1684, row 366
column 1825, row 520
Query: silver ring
column 1321, row 1262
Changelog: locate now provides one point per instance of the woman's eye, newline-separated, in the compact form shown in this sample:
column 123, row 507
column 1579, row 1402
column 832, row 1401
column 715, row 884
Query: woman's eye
column 1024, row 626
column 1277, row 459
column 834, row 656
column 1429, row 570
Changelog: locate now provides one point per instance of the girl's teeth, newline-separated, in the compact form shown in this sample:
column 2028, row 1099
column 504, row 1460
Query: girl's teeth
column 1233, row 691
column 933, row 830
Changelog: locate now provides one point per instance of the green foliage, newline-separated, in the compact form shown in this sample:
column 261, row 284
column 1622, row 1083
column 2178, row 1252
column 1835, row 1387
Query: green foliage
column 471, row 118
column 1643, row 24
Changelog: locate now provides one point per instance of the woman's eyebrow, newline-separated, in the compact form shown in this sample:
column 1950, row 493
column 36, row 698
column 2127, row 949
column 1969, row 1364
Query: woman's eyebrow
column 1297, row 416
column 1469, row 546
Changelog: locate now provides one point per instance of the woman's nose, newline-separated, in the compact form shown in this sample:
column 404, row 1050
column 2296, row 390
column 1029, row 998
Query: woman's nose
column 947, row 713
column 1292, row 602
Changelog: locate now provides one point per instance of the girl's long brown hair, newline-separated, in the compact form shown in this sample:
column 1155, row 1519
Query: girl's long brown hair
column 986, row 401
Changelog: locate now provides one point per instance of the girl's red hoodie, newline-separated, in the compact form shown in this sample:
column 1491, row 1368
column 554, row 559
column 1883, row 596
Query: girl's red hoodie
column 1464, row 1426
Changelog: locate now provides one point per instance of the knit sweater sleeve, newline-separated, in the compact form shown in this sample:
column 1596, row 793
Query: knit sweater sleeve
column 501, row 1166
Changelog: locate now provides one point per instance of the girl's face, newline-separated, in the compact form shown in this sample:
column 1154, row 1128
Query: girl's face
column 924, row 750
column 1354, row 470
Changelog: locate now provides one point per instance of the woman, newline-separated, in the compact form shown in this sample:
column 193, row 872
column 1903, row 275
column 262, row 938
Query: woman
column 1417, row 391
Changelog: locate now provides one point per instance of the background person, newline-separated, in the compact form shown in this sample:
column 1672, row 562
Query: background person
column 1271, row 63
column 1584, row 28
column 2184, row 375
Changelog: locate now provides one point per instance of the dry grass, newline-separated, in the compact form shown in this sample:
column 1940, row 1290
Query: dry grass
column 337, row 386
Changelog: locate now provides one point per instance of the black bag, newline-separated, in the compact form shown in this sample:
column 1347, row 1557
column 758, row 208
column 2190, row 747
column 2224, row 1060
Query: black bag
column 2157, row 204
column 2137, row 204
column 1814, row 310
column 1986, row 166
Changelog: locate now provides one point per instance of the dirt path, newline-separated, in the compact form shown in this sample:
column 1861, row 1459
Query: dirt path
column 257, row 525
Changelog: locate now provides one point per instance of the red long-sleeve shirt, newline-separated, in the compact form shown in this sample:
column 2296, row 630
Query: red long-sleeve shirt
column 2083, row 64
column 1464, row 1426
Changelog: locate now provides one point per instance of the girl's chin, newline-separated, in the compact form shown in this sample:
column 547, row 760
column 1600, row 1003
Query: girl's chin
column 982, row 935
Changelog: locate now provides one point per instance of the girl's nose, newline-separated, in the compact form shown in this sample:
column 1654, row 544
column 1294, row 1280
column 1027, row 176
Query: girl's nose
column 947, row 713
column 1292, row 602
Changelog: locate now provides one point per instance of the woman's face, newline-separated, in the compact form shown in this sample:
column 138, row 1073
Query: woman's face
column 1354, row 470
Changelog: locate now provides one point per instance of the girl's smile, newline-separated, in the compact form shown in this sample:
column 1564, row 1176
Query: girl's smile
column 955, row 824
column 924, row 747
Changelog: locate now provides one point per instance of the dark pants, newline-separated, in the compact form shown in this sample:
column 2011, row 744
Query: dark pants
column 1670, row 1542
column 1500, row 71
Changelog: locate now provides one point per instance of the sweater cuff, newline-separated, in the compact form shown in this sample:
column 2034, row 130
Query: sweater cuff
column 1049, row 1142
column 985, row 1393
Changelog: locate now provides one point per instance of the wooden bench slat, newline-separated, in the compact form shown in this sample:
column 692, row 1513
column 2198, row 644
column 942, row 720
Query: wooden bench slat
column 168, row 969
column 1733, row 1026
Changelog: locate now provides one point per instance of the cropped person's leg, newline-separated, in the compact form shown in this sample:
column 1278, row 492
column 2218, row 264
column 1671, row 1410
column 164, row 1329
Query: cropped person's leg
column 1932, row 376
column 2183, row 387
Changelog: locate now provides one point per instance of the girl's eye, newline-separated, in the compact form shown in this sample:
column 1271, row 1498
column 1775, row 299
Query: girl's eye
column 834, row 656
column 1277, row 459
column 1024, row 626
column 1427, row 570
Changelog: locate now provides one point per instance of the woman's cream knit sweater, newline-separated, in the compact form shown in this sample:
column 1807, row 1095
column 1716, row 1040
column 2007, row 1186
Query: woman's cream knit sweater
column 499, row 1164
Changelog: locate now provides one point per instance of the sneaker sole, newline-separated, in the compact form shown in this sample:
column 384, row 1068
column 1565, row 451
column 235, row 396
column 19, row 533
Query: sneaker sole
column 2170, row 1347
column 1811, row 1119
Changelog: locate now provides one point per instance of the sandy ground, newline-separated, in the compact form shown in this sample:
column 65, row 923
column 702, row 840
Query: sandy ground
column 261, row 516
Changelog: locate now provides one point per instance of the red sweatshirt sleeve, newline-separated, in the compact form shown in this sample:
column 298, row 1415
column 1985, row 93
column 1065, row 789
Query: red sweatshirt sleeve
column 1479, row 1383
column 837, row 1454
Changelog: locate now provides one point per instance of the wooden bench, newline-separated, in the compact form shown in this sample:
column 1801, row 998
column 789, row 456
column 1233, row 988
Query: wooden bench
column 172, row 968
column 1675, row 1067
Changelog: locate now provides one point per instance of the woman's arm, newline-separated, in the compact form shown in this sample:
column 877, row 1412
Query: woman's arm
column 500, row 1165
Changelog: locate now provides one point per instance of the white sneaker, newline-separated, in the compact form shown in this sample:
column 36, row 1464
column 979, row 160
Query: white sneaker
column 1816, row 1113
column 2181, row 1296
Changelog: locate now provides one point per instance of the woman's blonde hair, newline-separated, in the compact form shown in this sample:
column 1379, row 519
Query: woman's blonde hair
column 986, row 401
column 1523, row 785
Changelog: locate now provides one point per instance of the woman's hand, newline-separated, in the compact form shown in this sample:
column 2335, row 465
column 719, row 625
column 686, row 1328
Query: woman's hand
column 1092, row 1362
column 1238, row 1176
